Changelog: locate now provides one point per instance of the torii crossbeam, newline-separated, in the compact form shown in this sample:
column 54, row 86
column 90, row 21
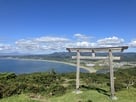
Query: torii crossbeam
column 108, row 50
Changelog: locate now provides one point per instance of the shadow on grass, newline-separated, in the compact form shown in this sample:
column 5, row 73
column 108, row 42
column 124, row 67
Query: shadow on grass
column 101, row 91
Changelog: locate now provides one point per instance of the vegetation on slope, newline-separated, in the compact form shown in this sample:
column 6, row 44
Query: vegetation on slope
column 95, row 96
column 60, row 86
column 86, row 96
column 16, row 98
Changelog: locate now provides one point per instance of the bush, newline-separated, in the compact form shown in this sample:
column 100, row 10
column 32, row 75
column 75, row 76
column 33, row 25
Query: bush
column 56, row 90
column 119, row 86
column 1, row 90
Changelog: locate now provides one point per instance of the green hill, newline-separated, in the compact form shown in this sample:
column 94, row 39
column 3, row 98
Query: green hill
column 86, row 96
column 59, row 87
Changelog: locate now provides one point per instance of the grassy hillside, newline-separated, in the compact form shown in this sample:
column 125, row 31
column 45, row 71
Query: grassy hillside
column 55, row 87
column 18, row 98
column 86, row 96
column 95, row 96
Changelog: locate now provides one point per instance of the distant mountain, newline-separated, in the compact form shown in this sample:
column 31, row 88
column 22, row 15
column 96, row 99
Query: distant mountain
column 67, row 55
column 13, row 53
column 130, row 56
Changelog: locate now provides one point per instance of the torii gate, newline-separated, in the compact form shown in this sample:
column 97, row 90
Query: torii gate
column 109, row 50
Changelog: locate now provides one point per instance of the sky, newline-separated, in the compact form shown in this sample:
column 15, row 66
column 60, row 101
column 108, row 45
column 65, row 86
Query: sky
column 47, row 26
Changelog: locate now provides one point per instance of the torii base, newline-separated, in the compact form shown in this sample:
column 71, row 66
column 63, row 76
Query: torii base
column 77, row 92
column 114, row 98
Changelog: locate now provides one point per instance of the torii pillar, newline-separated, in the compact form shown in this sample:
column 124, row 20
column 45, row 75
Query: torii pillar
column 78, row 71
column 112, row 89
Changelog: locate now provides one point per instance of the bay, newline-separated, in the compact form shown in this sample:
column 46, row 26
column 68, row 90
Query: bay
column 29, row 66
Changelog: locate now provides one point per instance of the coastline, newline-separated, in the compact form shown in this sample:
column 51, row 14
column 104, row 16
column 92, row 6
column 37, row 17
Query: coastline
column 91, row 70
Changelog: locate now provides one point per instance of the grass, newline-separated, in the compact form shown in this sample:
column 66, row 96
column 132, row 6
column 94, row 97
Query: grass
column 95, row 96
column 87, row 96
column 17, row 98
column 127, row 95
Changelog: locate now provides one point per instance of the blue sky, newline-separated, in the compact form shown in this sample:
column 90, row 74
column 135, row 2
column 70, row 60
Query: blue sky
column 44, row 26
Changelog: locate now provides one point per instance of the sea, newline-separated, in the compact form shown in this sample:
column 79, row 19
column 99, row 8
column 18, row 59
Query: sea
column 20, row 66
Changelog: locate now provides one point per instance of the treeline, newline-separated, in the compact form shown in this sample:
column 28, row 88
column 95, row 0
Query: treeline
column 54, row 84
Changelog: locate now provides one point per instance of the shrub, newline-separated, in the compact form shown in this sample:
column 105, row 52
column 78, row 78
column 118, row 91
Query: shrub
column 119, row 86
column 56, row 90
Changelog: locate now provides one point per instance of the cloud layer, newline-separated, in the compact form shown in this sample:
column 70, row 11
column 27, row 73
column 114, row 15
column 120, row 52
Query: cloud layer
column 48, row 44
column 110, row 41
column 81, row 37
column 41, row 45
column 132, row 43
column 5, row 47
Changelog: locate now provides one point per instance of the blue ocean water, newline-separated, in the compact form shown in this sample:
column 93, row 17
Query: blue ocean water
column 28, row 66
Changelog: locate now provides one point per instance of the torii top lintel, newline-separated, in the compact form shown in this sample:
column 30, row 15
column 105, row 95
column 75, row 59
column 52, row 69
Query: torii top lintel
column 98, row 50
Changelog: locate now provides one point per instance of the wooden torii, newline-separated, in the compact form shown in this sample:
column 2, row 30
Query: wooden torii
column 108, row 50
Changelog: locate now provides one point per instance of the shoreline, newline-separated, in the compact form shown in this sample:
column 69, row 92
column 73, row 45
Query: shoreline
column 91, row 70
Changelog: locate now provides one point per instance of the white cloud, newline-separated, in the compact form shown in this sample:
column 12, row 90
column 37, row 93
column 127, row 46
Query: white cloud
column 132, row 43
column 83, row 44
column 83, row 41
column 111, row 41
column 47, row 44
column 4, row 47
column 26, row 44
column 51, row 39
column 81, row 37
column 41, row 44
